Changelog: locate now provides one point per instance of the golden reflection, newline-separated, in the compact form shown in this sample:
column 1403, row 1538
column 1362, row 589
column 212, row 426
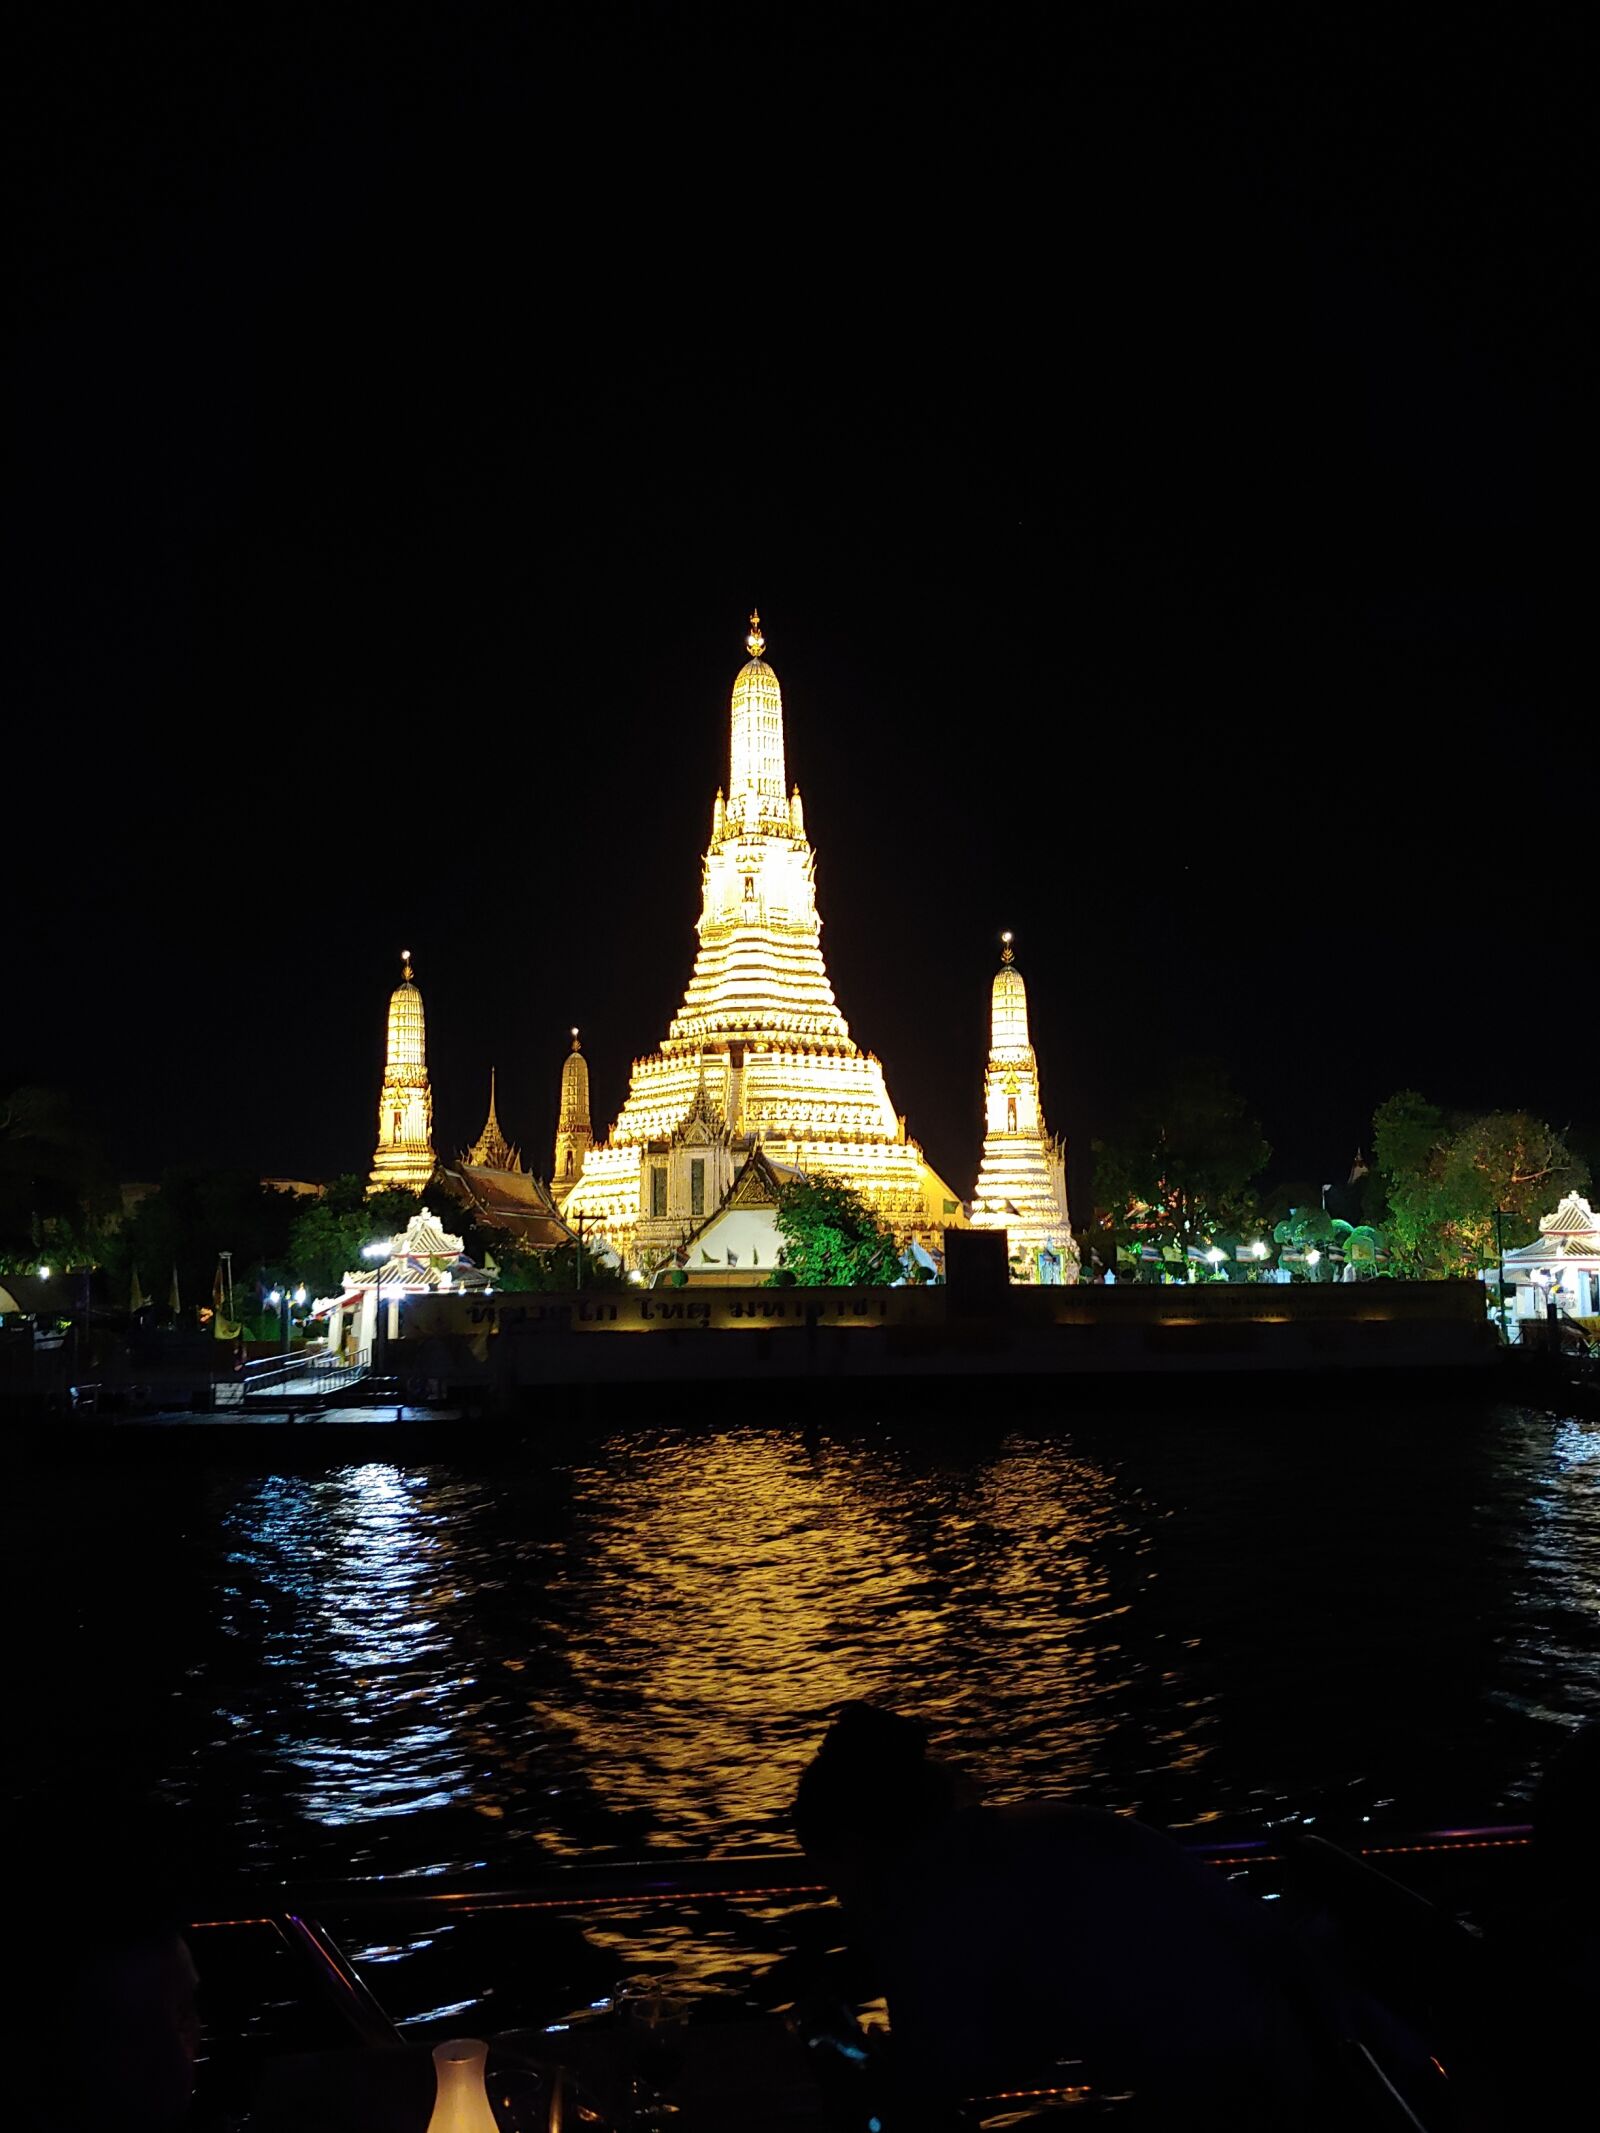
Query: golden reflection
column 731, row 1600
column 734, row 1590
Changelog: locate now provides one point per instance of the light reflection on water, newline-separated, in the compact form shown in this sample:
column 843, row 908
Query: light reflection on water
column 365, row 1699
column 414, row 1671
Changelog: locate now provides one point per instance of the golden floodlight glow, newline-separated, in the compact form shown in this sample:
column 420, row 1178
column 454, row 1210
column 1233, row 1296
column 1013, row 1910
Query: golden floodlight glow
column 404, row 1155
column 758, row 1052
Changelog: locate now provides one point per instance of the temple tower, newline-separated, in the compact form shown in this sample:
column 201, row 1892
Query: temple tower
column 404, row 1155
column 491, row 1150
column 574, row 1134
column 758, row 1052
column 1022, row 1182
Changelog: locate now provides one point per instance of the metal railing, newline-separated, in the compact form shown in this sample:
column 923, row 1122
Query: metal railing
column 309, row 1374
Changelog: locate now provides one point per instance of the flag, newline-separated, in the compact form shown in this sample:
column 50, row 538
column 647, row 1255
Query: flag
column 706, row 1256
column 137, row 1299
column 733, row 1259
column 219, row 1295
column 174, row 1300
column 225, row 1329
column 1358, row 1169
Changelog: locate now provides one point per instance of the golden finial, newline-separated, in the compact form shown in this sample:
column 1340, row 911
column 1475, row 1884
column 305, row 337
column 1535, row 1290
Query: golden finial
column 755, row 644
column 574, row 1036
column 1005, row 949
column 405, row 964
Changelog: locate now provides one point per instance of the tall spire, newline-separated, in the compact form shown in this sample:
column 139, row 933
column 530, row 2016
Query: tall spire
column 1022, row 1186
column 491, row 1150
column 757, row 795
column 574, row 1134
column 1008, row 1007
column 404, row 1155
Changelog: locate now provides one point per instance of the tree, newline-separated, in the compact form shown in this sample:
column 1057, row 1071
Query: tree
column 188, row 1222
column 1448, row 1175
column 1180, row 1171
column 50, row 1174
column 329, row 1235
column 832, row 1239
column 543, row 1272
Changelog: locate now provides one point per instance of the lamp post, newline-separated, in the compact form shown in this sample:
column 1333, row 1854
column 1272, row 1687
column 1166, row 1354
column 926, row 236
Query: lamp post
column 380, row 1252
column 283, row 1299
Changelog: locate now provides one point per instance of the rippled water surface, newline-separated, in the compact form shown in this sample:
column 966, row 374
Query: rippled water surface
column 636, row 1642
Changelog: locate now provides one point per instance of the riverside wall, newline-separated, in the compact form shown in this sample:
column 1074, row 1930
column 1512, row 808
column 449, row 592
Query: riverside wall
column 466, row 1343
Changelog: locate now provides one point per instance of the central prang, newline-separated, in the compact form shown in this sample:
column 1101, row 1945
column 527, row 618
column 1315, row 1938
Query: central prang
column 759, row 1054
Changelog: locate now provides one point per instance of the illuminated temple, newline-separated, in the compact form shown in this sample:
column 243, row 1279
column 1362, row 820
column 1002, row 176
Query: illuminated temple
column 759, row 1054
column 1022, row 1179
column 404, row 1155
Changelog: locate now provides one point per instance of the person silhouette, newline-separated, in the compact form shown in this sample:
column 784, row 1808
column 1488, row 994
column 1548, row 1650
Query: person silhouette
column 1011, row 1939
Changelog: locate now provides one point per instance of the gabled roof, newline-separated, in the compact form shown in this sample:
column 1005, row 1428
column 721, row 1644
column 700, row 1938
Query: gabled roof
column 758, row 1183
column 1570, row 1234
column 1573, row 1218
column 512, row 1200
column 703, row 1126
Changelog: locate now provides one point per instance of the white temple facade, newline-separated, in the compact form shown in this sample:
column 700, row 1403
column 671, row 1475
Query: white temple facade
column 404, row 1155
column 759, row 1053
column 1022, row 1179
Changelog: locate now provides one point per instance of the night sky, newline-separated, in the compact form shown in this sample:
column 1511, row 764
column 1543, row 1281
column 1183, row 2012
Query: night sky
column 1149, row 442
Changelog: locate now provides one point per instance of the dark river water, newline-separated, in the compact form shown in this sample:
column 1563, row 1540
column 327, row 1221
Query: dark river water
column 635, row 1643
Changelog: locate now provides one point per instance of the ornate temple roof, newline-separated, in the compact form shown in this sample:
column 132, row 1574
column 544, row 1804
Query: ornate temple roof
column 491, row 1150
column 1573, row 1218
column 1572, row 1232
column 510, row 1200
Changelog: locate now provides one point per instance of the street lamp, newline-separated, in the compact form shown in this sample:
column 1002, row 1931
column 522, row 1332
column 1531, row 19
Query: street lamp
column 44, row 1273
column 281, row 1300
column 381, row 1251
column 1216, row 1255
column 1313, row 1258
